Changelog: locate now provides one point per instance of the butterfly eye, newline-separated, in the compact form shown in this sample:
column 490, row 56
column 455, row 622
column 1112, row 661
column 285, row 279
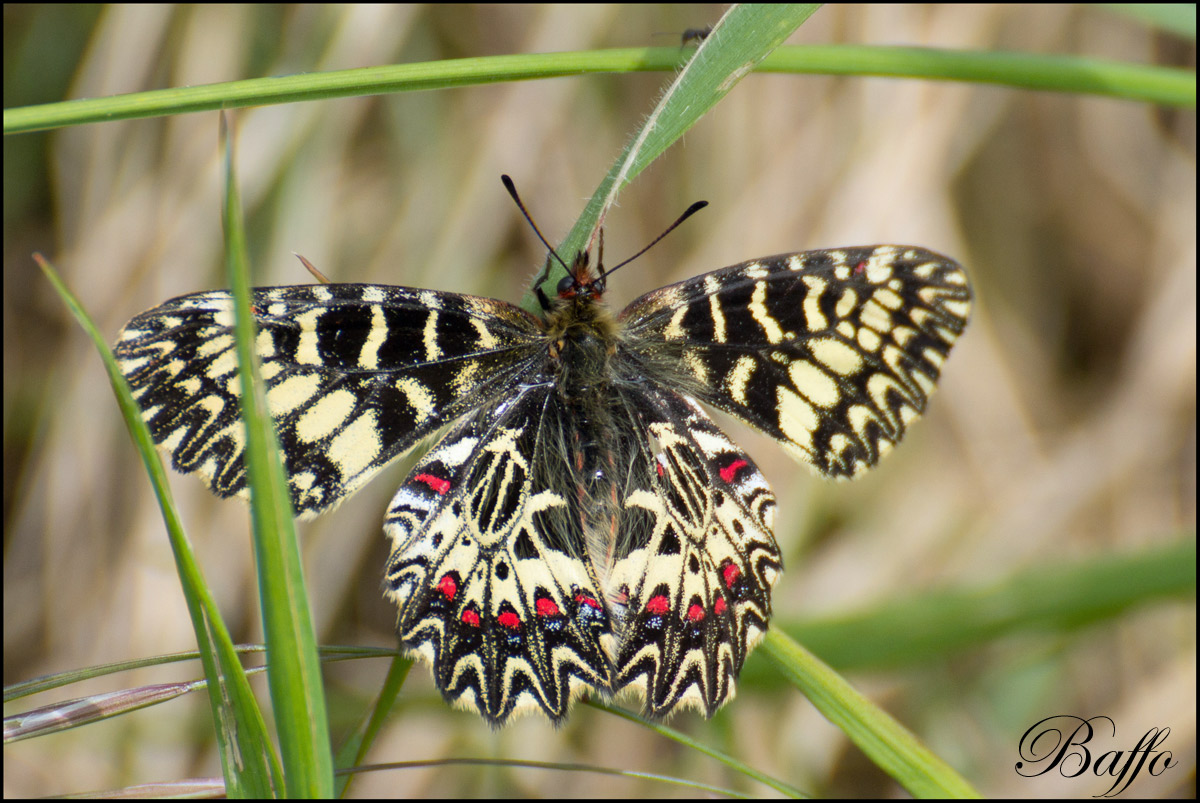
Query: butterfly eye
column 567, row 287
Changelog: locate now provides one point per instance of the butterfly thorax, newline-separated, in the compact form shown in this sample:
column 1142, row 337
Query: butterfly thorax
column 582, row 336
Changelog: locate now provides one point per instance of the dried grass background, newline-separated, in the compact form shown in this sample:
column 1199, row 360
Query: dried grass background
column 1065, row 426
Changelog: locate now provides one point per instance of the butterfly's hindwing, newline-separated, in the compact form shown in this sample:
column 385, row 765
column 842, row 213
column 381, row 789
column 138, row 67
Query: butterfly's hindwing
column 495, row 590
column 355, row 376
column 696, row 586
column 488, row 570
column 833, row 353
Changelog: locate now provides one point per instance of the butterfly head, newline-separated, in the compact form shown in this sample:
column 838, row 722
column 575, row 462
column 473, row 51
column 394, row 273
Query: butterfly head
column 580, row 283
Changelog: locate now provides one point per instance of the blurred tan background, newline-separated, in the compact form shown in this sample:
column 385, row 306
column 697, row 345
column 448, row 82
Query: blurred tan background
column 1065, row 427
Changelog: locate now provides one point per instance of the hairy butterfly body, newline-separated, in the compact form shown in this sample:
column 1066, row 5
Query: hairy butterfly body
column 583, row 525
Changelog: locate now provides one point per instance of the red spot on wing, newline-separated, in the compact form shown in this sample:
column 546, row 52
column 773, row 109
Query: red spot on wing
column 658, row 467
column 448, row 586
column 588, row 600
column 470, row 617
column 731, row 573
column 510, row 620
column 436, row 483
column 719, row 606
column 860, row 268
column 546, row 607
column 730, row 471
column 659, row 604
column 695, row 613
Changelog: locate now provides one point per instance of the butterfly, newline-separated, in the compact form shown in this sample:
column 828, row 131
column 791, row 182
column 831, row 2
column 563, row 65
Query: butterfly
column 582, row 526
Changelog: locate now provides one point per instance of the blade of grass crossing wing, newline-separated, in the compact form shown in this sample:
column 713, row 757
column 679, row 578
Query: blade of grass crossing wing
column 293, row 666
column 247, row 757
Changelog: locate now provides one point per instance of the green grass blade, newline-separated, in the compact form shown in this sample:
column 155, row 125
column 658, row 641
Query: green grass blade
column 923, row 629
column 927, row 628
column 554, row 766
column 358, row 744
column 891, row 746
column 58, row 680
column 683, row 739
column 1059, row 73
column 68, row 714
column 738, row 42
column 247, row 757
column 443, row 74
column 293, row 666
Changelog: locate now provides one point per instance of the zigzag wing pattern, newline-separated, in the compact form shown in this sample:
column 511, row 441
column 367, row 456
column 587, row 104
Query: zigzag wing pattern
column 498, row 592
column 696, row 560
column 833, row 353
column 488, row 569
column 356, row 374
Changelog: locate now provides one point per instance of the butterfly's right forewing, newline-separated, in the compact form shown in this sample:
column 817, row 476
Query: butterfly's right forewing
column 832, row 353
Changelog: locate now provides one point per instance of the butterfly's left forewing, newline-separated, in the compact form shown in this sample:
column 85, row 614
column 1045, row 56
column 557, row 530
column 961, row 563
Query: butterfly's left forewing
column 355, row 376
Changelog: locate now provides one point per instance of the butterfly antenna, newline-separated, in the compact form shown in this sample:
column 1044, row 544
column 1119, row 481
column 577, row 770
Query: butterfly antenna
column 691, row 210
column 512, row 190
